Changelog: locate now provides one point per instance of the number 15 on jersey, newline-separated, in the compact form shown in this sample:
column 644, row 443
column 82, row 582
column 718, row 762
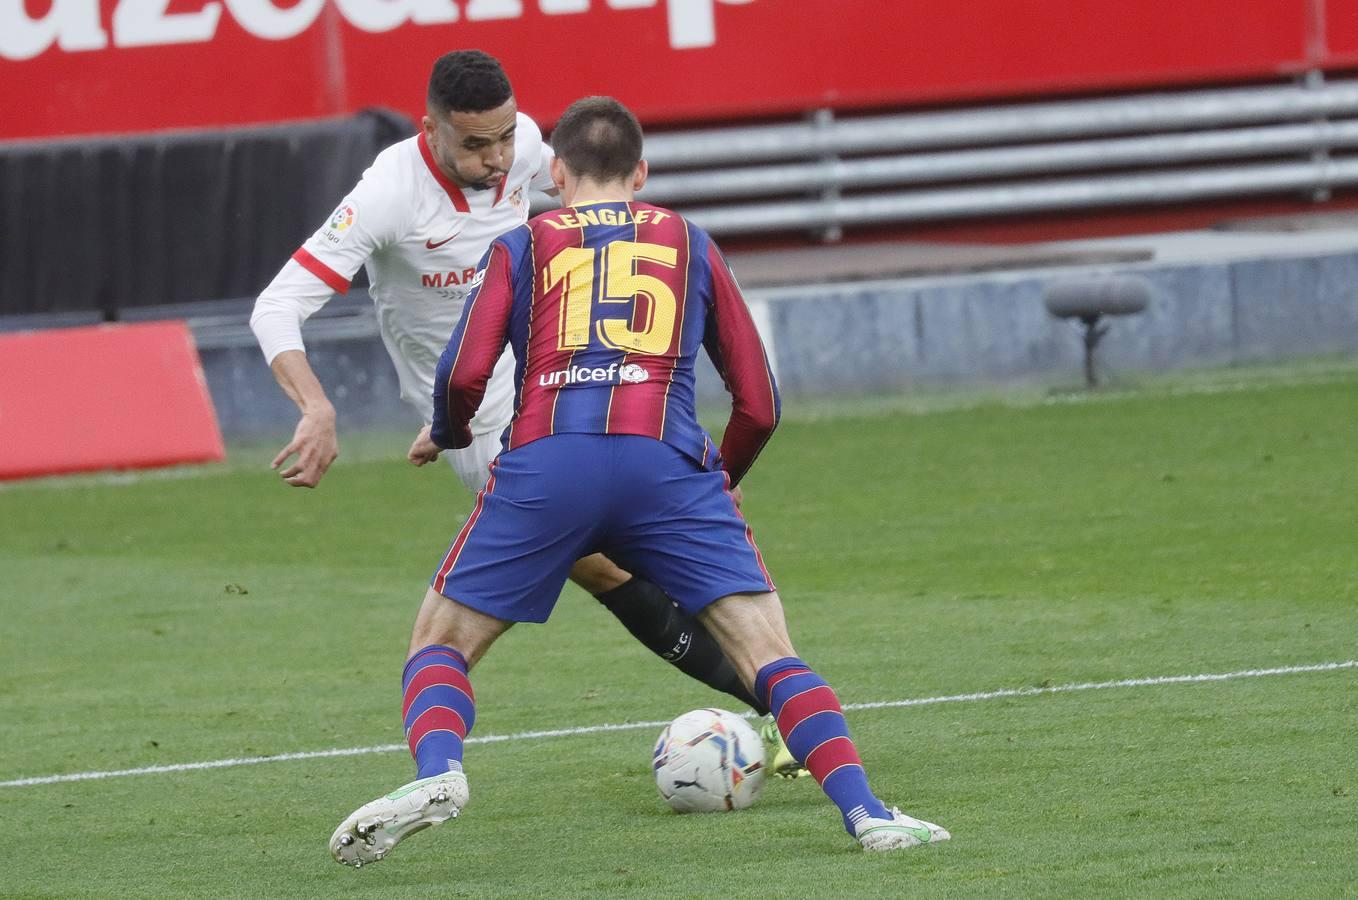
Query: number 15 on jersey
column 650, row 327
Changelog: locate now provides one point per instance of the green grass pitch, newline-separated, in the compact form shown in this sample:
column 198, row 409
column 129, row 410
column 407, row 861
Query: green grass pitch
column 969, row 547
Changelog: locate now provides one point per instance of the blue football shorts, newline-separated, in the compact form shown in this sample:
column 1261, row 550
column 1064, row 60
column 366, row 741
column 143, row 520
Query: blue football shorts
column 651, row 509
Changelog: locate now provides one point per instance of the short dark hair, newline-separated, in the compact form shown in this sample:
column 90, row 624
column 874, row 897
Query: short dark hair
column 468, row 81
column 598, row 138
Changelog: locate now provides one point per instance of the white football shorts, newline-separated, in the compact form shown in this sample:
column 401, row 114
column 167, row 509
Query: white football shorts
column 472, row 464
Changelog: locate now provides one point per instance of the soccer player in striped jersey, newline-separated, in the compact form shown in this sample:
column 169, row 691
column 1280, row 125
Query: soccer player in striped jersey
column 605, row 305
column 419, row 220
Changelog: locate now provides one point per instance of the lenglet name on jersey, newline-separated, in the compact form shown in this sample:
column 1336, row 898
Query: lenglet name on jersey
column 582, row 217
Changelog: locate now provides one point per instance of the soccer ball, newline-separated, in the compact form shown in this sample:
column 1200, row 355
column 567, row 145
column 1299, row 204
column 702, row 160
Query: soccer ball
column 709, row 760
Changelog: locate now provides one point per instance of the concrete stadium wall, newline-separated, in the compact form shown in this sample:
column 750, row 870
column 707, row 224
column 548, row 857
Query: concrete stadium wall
column 874, row 337
column 355, row 370
column 994, row 327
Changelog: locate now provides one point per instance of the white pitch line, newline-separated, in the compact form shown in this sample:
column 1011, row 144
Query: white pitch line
column 632, row 726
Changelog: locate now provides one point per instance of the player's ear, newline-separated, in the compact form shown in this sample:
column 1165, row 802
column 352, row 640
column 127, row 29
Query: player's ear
column 639, row 176
column 428, row 125
column 558, row 173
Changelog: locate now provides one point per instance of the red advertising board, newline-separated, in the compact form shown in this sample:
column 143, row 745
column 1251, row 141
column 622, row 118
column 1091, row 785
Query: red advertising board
column 99, row 66
column 103, row 397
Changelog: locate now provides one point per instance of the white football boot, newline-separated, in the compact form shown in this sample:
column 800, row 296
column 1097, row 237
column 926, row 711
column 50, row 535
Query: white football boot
column 898, row 832
column 377, row 827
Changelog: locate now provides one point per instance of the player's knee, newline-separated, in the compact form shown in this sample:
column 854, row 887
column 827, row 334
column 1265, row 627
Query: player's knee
column 749, row 629
column 445, row 622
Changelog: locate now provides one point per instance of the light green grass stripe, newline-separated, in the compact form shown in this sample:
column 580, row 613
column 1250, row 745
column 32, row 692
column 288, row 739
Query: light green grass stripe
column 632, row 726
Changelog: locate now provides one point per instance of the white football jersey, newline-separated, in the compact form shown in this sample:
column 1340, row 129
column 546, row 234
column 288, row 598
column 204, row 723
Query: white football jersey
column 420, row 237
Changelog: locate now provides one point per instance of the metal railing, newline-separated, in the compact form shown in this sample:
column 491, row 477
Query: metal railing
column 827, row 173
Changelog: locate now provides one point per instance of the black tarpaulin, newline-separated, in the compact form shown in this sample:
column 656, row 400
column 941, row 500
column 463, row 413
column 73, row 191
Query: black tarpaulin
column 111, row 223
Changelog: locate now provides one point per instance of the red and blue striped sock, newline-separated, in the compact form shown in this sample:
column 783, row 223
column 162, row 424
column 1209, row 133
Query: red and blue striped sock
column 438, row 709
column 813, row 727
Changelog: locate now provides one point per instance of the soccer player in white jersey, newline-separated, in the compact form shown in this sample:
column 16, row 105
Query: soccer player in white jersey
column 419, row 221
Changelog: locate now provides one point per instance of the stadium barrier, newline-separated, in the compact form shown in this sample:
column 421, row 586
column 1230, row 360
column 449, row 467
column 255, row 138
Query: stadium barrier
column 896, row 333
column 995, row 328
column 94, row 227
column 1141, row 149
column 158, row 219
column 104, row 397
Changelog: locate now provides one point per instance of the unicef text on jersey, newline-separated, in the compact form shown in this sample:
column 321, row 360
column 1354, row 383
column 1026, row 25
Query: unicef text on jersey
column 74, row 25
column 628, row 373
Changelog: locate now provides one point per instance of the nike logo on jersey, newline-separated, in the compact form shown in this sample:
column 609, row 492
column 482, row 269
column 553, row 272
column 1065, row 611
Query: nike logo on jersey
column 434, row 245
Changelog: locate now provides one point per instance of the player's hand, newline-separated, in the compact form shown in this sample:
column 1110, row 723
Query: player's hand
column 737, row 495
column 424, row 450
column 315, row 444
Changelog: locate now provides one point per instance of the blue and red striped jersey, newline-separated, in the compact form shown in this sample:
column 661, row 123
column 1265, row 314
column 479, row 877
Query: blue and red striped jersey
column 605, row 306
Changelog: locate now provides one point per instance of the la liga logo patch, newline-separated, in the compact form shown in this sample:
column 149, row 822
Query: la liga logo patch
column 341, row 220
column 343, row 217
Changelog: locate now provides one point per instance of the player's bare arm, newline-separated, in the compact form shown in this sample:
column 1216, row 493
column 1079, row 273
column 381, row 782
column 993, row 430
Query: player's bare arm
column 314, row 444
column 290, row 298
